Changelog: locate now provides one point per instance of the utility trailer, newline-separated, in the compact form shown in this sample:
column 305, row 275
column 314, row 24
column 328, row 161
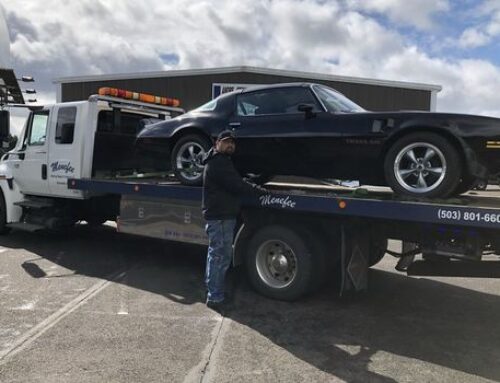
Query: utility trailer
column 295, row 237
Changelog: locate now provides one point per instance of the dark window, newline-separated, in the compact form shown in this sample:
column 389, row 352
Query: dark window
column 275, row 101
column 38, row 128
column 65, row 128
column 125, row 124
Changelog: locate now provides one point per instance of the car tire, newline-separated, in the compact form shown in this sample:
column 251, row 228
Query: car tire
column 423, row 165
column 298, row 267
column 186, row 158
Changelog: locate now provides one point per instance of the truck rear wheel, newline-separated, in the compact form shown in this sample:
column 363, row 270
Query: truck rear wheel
column 280, row 262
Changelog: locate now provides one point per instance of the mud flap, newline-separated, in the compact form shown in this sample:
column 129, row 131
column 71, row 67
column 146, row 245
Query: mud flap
column 355, row 253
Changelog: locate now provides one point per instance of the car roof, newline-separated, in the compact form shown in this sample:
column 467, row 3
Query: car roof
column 276, row 86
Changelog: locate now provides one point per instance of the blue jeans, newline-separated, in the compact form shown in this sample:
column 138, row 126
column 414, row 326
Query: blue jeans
column 220, row 250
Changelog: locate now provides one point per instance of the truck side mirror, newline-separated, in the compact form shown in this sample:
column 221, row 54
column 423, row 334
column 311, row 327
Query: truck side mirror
column 4, row 124
column 307, row 109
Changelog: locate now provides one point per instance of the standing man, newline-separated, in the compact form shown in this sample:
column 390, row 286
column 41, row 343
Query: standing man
column 223, row 188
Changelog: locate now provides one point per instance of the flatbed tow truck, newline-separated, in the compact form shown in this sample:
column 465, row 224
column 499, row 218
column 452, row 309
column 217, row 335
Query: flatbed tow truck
column 290, row 241
column 294, row 238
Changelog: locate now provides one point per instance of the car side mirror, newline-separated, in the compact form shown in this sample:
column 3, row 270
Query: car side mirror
column 307, row 109
column 4, row 124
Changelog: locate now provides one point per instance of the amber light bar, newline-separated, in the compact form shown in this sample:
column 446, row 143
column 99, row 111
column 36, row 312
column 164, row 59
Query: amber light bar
column 143, row 97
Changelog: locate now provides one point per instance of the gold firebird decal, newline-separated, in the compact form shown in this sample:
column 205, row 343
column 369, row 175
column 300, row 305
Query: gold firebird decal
column 492, row 144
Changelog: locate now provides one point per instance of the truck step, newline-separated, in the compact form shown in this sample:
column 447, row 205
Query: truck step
column 35, row 203
column 25, row 226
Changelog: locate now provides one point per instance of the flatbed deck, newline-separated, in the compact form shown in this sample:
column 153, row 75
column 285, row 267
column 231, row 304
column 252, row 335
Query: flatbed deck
column 478, row 211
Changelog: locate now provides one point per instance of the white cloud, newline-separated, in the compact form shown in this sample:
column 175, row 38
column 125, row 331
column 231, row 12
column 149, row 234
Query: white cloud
column 116, row 36
column 486, row 25
column 472, row 38
column 419, row 13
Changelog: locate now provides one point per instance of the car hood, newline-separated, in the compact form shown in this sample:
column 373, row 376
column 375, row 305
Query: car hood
column 163, row 129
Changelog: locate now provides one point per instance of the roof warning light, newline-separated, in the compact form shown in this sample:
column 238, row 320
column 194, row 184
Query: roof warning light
column 143, row 97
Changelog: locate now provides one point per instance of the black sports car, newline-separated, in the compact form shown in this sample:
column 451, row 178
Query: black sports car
column 311, row 130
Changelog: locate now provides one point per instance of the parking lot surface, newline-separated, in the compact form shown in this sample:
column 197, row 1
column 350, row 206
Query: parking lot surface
column 96, row 306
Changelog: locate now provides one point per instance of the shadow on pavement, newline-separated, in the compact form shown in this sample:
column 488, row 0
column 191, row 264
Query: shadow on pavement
column 420, row 319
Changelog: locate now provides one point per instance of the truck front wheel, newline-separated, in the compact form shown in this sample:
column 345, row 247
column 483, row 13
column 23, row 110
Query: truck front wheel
column 280, row 262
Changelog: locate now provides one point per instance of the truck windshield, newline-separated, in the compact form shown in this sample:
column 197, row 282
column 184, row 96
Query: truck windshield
column 336, row 102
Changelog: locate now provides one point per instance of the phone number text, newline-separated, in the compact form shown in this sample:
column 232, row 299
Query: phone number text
column 458, row 215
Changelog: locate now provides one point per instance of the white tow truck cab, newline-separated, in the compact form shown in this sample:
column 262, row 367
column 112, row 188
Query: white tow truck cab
column 84, row 139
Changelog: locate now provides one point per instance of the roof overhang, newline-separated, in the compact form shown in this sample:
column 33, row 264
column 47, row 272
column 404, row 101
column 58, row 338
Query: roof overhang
column 250, row 69
column 10, row 92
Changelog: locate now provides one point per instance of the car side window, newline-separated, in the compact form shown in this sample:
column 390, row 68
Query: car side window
column 38, row 129
column 275, row 101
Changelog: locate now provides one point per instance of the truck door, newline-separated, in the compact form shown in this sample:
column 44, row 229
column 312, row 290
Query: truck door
column 30, row 167
column 65, row 149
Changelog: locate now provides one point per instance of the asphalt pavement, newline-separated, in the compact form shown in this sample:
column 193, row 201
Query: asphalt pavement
column 92, row 305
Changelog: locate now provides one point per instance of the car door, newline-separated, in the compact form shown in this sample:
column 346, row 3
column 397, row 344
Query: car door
column 269, row 130
column 338, row 146
column 30, row 167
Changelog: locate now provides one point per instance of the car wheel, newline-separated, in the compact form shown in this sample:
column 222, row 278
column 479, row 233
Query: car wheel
column 280, row 263
column 186, row 159
column 424, row 165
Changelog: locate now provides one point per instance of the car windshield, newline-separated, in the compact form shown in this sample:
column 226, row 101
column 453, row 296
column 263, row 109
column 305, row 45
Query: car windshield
column 335, row 101
column 208, row 107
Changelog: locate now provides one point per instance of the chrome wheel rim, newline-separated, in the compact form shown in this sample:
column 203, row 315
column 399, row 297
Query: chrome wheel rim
column 420, row 167
column 276, row 263
column 188, row 160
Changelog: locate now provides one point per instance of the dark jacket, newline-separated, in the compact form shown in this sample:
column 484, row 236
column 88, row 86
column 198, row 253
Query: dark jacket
column 223, row 187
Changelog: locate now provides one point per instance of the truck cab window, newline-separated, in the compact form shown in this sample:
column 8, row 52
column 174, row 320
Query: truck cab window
column 65, row 128
column 38, row 129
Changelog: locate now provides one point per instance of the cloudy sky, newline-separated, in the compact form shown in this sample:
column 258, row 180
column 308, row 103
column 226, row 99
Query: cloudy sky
column 451, row 43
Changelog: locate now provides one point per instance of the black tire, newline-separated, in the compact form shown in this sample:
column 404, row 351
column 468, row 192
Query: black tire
column 3, row 216
column 197, row 141
column 437, row 187
column 305, row 257
column 378, row 248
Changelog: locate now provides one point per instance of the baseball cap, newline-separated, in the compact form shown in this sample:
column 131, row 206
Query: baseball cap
column 226, row 134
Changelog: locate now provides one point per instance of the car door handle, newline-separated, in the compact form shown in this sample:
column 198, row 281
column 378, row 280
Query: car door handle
column 40, row 152
column 234, row 125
